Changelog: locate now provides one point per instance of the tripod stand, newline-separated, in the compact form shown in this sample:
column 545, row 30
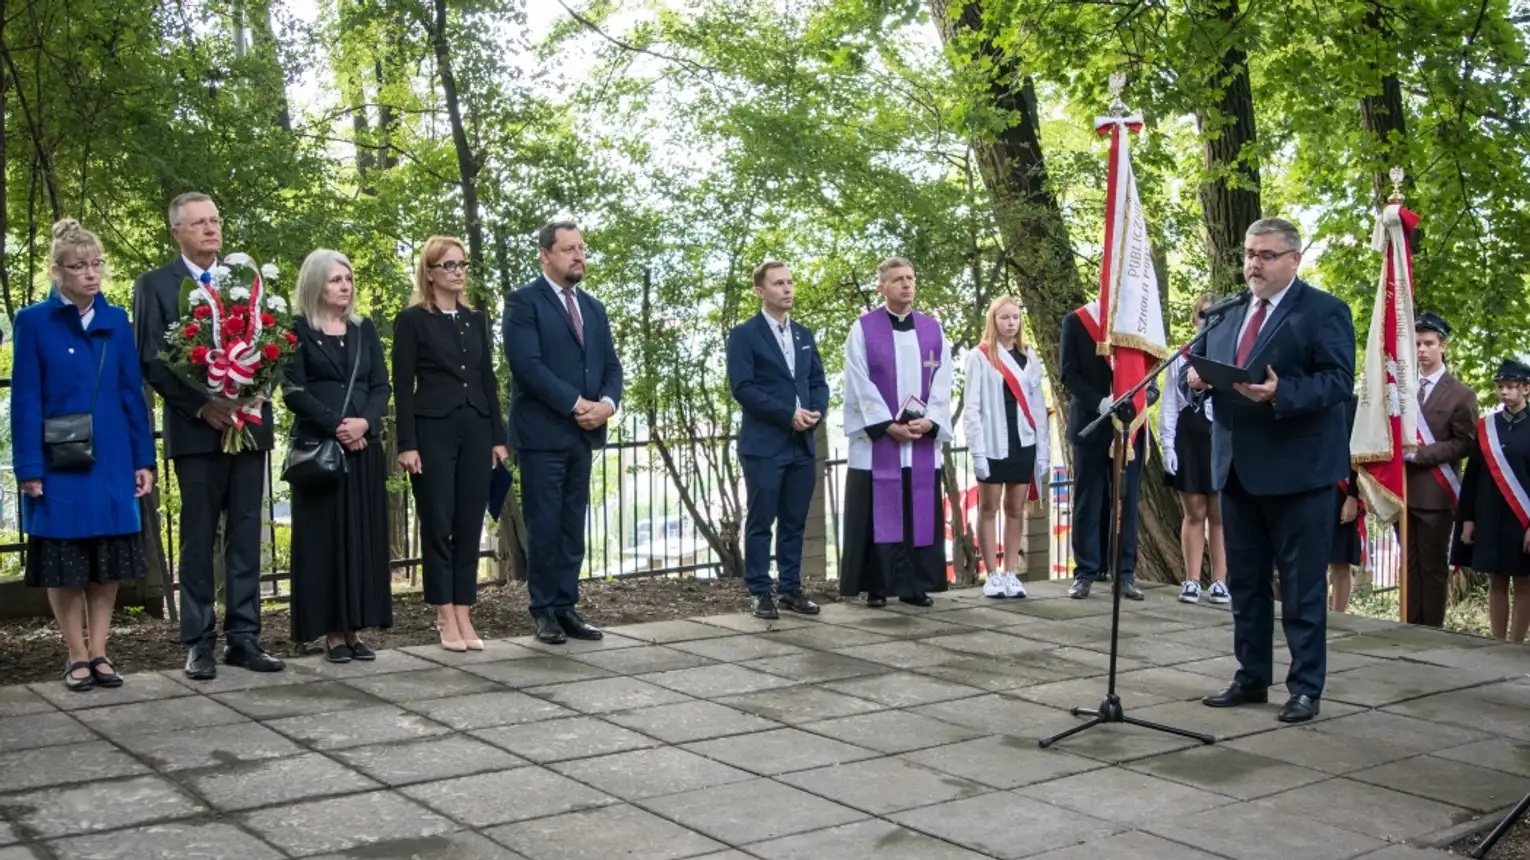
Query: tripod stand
column 1124, row 411
column 1503, row 827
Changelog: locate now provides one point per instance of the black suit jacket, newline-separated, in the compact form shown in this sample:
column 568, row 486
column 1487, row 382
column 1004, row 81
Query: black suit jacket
column 550, row 369
column 156, row 304
column 1300, row 440
column 1087, row 377
column 436, row 370
column 314, row 381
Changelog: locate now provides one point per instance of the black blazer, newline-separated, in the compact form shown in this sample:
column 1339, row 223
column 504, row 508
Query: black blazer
column 1087, row 377
column 550, row 369
column 1300, row 440
column 436, row 371
column 156, row 304
column 314, row 381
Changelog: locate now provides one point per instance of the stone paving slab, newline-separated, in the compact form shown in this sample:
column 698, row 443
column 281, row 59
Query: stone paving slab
column 898, row 734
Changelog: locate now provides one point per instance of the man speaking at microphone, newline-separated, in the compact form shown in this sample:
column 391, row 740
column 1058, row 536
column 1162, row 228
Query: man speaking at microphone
column 1278, row 447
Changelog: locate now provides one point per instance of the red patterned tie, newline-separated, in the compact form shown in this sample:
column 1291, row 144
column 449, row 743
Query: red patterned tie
column 573, row 314
column 1251, row 334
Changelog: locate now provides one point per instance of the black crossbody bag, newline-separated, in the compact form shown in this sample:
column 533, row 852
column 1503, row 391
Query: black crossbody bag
column 69, row 440
column 320, row 461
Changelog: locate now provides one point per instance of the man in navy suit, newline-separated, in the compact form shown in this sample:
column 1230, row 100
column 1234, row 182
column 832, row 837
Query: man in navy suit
column 565, row 384
column 1278, row 447
column 776, row 376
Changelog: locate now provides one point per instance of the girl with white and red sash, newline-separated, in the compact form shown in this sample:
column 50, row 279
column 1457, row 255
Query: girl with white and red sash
column 1344, row 548
column 1008, row 437
column 1493, row 520
column 1184, row 429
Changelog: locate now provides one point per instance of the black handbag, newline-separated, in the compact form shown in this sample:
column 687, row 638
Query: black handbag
column 69, row 440
column 320, row 461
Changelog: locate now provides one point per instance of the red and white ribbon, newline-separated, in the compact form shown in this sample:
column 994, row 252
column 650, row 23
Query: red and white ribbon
column 228, row 371
column 1508, row 482
column 1444, row 473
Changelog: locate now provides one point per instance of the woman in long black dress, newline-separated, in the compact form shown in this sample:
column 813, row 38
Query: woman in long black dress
column 1344, row 548
column 1184, row 426
column 341, row 581
column 1008, row 437
column 1491, row 522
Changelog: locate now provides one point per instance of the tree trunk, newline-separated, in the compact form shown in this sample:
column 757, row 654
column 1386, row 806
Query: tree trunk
column 5, row 83
column 1230, row 190
column 1013, row 166
column 511, row 554
column 467, row 162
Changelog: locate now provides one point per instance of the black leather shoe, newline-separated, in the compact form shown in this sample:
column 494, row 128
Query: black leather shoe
column 1102, row 576
column 363, row 652
column 338, row 653
column 200, row 665
column 252, row 657
column 876, row 601
column 918, row 600
column 78, row 684
column 104, row 677
column 1236, row 694
column 575, row 627
column 1130, row 591
column 549, row 631
column 1299, row 709
column 1079, row 590
column 764, row 607
column 797, row 602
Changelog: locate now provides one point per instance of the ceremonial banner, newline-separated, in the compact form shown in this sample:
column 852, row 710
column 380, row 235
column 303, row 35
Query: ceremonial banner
column 1386, row 421
column 1127, row 321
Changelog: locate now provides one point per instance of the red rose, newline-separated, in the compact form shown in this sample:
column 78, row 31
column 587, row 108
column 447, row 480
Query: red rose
column 191, row 330
column 267, row 319
column 199, row 355
column 291, row 338
column 272, row 352
column 202, row 312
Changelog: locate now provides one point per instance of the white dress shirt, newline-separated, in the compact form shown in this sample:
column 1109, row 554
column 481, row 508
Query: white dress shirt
column 1427, row 384
column 1273, row 302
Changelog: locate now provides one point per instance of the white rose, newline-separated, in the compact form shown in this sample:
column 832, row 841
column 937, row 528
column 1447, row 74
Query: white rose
column 196, row 297
column 239, row 294
column 220, row 273
column 277, row 303
column 269, row 271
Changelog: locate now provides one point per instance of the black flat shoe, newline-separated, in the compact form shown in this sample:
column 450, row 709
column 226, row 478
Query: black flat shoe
column 253, row 658
column 338, row 653
column 549, row 631
column 1236, row 694
column 876, row 601
column 362, row 651
column 200, row 665
column 797, row 602
column 78, row 685
column 1080, row 589
column 1299, row 709
column 576, row 628
column 918, row 600
column 108, row 677
column 1130, row 591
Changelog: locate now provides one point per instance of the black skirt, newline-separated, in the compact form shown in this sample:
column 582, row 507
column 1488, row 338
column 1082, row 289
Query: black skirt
column 1344, row 547
column 78, row 562
column 340, row 576
column 1192, row 446
column 1020, row 466
column 889, row 569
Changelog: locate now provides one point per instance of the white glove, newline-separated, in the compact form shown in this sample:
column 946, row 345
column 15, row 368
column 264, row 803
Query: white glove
column 1170, row 459
column 980, row 466
column 1105, row 405
column 1410, row 457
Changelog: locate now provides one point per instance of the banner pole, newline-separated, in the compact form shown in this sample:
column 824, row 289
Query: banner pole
column 1396, row 174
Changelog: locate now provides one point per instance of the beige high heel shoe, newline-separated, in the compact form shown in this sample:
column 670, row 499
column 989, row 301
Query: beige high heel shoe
column 453, row 645
column 473, row 644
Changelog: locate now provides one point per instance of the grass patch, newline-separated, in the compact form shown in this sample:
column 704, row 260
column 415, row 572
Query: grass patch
column 1468, row 614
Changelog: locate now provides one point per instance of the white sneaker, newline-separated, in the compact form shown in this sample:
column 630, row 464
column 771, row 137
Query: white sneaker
column 1013, row 587
column 1219, row 594
column 1190, row 592
column 994, row 586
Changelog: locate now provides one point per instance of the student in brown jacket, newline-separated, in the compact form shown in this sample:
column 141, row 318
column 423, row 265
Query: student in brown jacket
column 1447, row 434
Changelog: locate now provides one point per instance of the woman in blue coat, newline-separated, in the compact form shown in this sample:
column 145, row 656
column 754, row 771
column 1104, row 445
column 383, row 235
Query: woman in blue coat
column 74, row 353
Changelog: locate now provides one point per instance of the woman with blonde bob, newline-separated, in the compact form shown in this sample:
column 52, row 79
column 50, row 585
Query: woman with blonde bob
column 450, row 431
column 1008, row 437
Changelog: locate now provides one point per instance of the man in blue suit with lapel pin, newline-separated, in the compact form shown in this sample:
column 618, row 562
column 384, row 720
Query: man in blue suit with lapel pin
column 777, row 378
column 565, row 384
column 1278, row 448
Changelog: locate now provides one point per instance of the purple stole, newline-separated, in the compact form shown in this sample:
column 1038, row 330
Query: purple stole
column 886, row 453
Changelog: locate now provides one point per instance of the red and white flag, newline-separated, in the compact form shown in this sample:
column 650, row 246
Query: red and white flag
column 1127, row 319
column 1386, row 421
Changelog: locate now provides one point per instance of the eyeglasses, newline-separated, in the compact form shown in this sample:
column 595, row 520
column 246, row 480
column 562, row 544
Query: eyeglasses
column 453, row 266
column 202, row 223
column 1265, row 256
column 583, row 250
column 81, row 266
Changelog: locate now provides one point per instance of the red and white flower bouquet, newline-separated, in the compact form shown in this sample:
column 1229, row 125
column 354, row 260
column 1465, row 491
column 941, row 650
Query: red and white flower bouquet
column 232, row 339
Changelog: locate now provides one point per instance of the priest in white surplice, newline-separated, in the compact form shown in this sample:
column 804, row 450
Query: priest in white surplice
column 897, row 413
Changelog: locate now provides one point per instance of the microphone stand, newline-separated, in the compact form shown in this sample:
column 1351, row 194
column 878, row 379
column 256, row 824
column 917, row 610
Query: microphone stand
column 1124, row 410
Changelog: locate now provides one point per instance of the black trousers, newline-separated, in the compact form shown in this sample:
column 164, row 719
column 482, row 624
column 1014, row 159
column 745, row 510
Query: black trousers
column 1093, row 516
column 451, row 498
column 230, row 487
column 555, row 494
column 1290, row 534
column 780, row 491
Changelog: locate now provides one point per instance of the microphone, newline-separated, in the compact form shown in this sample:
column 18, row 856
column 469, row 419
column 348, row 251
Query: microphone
column 1221, row 308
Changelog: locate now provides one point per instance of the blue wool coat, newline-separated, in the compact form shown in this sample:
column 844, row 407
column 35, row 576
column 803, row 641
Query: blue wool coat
column 54, row 373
